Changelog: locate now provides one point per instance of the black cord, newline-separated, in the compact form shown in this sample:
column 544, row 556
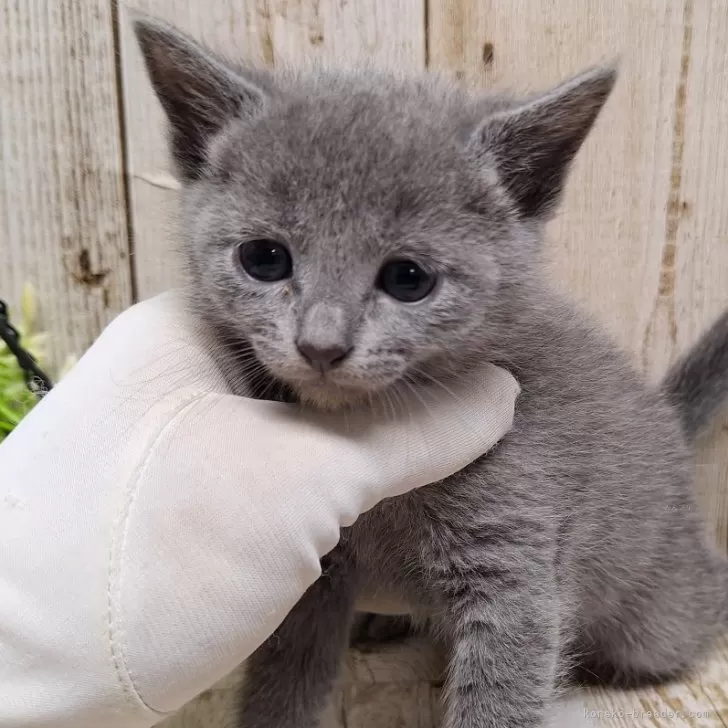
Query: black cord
column 37, row 380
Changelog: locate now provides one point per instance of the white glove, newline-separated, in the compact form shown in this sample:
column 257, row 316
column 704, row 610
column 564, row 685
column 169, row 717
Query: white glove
column 155, row 529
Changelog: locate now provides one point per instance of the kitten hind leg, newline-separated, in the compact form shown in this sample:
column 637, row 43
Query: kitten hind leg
column 660, row 633
column 291, row 675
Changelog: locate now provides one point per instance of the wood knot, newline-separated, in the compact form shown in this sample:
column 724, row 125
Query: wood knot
column 85, row 275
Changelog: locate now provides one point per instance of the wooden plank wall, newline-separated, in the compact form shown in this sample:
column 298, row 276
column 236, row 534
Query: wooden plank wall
column 643, row 237
column 63, row 218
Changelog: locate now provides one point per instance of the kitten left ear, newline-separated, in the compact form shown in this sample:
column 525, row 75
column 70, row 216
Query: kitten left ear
column 198, row 91
column 533, row 144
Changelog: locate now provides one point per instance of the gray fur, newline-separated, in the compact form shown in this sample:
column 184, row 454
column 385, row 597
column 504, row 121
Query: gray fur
column 577, row 542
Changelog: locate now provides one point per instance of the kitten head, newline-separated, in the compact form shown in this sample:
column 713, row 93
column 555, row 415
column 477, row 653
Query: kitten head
column 355, row 230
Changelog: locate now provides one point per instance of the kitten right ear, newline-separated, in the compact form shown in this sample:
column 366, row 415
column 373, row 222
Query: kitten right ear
column 199, row 93
column 532, row 144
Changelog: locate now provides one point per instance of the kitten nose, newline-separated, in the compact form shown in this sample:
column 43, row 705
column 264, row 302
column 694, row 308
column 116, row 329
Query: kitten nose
column 322, row 356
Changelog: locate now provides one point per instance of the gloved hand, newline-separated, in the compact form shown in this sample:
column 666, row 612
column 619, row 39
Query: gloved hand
column 155, row 529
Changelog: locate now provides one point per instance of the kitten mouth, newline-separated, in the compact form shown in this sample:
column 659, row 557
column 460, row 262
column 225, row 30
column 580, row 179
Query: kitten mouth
column 333, row 390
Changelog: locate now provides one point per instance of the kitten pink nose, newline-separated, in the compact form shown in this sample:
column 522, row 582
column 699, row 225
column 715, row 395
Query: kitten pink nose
column 322, row 357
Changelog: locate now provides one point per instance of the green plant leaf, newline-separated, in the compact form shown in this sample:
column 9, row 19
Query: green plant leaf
column 16, row 400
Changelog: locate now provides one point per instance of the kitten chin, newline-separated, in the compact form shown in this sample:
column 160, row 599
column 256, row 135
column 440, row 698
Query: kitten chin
column 330, row 399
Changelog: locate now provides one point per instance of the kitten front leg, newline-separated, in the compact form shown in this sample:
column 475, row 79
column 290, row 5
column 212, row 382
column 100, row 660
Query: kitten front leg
column 503, row 636
column 290, row 676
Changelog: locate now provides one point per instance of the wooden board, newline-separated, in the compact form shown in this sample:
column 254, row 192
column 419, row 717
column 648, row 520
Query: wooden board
column 643, row 236
column 270, row 32
column 62, row 208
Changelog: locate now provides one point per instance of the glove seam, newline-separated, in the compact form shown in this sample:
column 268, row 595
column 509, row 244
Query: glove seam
column 115, row 559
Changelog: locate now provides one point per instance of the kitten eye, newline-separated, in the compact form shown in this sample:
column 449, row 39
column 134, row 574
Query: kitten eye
column 265, row 260
column 406, row 280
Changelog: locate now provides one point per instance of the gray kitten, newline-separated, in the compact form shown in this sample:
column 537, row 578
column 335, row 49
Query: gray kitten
column 351, row 234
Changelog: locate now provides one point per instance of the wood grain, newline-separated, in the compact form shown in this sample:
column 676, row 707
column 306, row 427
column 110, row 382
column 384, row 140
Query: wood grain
column 268, row 32
column 62, row 209
column 642, row 238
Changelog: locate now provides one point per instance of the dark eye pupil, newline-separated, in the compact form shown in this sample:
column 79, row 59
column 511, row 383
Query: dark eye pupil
column 265, row 260
column 406, row 281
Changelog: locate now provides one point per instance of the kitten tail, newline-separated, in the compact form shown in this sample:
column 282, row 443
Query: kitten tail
column 697, row 385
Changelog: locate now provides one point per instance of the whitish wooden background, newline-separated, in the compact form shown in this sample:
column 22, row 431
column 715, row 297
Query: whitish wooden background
column 87, row 202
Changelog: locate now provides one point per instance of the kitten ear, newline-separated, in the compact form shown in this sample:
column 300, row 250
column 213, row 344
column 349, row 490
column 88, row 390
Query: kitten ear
column 533, row 144
column 199, row 92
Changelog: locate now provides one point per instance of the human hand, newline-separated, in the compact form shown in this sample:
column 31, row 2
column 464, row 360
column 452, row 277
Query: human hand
column 156, row 528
